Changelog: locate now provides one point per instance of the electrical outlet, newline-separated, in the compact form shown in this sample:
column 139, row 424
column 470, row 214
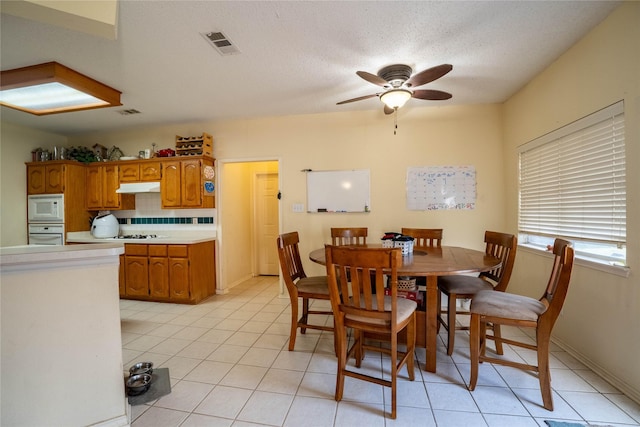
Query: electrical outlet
column 297, row 207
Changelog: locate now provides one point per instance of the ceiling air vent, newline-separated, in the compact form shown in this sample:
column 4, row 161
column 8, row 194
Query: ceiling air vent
column 129, row 112
column 221, row 43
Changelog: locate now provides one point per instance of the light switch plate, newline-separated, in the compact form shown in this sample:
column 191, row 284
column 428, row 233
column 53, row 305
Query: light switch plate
column 297, row 207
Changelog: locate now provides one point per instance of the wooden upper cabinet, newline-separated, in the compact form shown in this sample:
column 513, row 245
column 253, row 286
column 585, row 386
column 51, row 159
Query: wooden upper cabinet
column 183, row 184
column 94, row 187
column 54, row 179
column 129, row 172
column 45, row 179
column 111, row 183
column 191, row 183
column 170, row 185
column 36, row 179
column 150, row 171
column 140, row 171
column 102, row 182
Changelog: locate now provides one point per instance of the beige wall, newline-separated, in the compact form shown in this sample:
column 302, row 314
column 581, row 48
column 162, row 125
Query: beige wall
column 602, row 312
column 426, row 136
column 365, row 140
column 235, row 265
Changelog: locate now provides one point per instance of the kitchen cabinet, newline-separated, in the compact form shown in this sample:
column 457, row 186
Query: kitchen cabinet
column 179, row 272
column 140, row 171
column 158, row 271
column 169, row 273
column 184, row 181
column 102, row 183
column 62, row 177
column 43, row 178
column 136, row 270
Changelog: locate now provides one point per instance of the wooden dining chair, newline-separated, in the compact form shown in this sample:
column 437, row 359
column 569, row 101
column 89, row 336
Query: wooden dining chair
column 424, row 237
column 367, row 312
column 499, row 245
column 349, row 236
column 299, row 286
column 488, row 307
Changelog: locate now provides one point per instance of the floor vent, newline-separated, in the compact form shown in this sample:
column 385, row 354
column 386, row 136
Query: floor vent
column 221, row 43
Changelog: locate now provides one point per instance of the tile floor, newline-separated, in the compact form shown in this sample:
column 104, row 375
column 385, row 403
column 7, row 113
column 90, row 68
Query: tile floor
column 229, row 366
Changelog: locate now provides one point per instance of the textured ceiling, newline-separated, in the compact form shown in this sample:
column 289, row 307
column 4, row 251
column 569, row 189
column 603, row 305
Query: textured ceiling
column 295, row 57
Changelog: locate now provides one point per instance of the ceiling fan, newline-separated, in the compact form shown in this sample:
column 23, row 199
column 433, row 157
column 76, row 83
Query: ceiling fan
column 399, row 84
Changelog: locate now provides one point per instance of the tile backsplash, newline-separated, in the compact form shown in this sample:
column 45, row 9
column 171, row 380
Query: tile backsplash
column 149, row 215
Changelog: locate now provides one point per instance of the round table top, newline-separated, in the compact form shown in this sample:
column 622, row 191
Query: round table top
column 442, row 261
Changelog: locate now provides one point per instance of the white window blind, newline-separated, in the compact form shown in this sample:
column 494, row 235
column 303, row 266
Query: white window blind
column 572, row 181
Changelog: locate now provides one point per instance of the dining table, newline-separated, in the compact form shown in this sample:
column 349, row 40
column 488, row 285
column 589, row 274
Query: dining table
column 431, row 262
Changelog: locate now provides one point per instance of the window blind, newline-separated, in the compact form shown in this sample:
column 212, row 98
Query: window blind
column 573, row 181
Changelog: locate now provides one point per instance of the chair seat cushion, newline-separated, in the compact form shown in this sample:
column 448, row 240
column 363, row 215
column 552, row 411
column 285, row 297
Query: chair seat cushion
column 405, row 308
column 463, row 285
column 509, row 306
column 313, row 285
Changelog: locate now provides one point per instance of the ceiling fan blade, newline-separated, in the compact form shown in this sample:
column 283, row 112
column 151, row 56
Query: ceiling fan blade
column 372, row 78
column 360, row 98
column 433, row 95
column 429, row 75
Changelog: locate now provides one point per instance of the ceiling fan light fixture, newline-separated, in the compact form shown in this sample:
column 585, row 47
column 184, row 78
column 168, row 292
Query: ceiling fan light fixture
column 395, row 98
column 53, row 88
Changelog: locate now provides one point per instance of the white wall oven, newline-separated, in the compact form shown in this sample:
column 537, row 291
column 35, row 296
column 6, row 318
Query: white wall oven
column 46, row 234
column 45, row 214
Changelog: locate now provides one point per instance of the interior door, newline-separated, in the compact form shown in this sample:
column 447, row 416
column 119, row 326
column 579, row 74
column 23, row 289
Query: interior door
column 267, row 223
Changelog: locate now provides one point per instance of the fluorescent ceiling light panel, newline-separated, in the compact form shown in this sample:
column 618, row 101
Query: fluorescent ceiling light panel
column 53, row 88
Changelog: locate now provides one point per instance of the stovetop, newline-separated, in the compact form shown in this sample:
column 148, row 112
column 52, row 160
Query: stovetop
column 137, row 236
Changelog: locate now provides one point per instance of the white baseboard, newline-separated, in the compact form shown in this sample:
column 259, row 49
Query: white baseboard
column 624, row 387
column 121, row 421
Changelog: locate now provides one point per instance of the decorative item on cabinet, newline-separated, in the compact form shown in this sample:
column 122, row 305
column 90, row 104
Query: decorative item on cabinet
column 100, row 152
column 194, row 145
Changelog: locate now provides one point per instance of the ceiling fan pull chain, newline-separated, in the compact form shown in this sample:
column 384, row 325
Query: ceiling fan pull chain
column 395, row 120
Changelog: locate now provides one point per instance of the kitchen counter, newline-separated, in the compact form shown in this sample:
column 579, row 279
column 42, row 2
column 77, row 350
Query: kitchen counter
column 60, row 339
column 39, row 257
column 165, row 237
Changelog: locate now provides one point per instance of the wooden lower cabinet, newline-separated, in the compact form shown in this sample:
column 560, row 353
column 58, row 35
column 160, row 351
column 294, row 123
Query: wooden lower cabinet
column 158, row 272
column 168, row 273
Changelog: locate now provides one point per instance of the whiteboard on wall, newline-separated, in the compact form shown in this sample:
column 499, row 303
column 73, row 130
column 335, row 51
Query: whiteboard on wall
column 338, row 191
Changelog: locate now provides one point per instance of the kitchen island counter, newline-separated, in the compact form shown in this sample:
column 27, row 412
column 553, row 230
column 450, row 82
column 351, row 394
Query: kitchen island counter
column 38, row 257
column 60, row 336
column 165, row 237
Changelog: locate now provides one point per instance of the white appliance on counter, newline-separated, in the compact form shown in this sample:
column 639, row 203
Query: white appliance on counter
column 45, row 216
column 105, row 226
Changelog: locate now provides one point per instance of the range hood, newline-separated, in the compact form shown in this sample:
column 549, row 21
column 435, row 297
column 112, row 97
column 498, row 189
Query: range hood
column 139, row 187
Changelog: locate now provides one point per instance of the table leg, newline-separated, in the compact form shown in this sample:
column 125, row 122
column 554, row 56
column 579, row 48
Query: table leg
column 432, row 323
